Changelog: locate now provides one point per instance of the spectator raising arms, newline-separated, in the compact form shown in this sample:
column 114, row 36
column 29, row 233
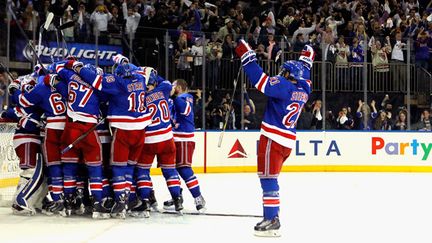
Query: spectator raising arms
column 82, row 23
column 100, row 18
column 379, row 54
column 365, row 115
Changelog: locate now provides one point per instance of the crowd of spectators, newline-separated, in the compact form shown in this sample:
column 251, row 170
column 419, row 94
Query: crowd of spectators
column 342, row 27
column 367, row 116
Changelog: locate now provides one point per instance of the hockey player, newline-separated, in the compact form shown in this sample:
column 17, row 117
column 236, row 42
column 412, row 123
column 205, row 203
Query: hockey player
column 30, row 190
column 128, row 118
column 184, row 141
column 158, row 142
column 287, row 93
column 51, row 102
column 82, row 114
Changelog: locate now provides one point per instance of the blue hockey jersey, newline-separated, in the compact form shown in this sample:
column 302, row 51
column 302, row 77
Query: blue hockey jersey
column 49, row 100
column 28, row 127
column 283, row 106
column 28, row 117
column 184, row 118
column 126, row 109
column 83, row 101
column 156, row 102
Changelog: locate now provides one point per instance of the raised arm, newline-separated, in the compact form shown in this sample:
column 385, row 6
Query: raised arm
column 276, row 87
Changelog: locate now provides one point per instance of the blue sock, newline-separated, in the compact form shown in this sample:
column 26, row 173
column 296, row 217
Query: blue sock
column 56, row 181
column 107, row 190
column 270, row 189
column 95, row 178
column 144, row 183
column 190, row 179
column 119, row 181
column 173, row 181
column 70, row 171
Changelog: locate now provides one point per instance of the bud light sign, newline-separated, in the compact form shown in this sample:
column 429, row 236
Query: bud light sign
column 84, row 52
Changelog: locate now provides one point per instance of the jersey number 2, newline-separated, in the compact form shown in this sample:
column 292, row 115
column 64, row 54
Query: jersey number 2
column 290, row 119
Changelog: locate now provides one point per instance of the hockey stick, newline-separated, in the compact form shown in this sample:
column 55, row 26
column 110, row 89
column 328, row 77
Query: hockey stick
column 130, row 50
column 215, row 214
column 230, row 107
column 45, row 26
column 7, row 71
column 70, row 146
column 66, row 25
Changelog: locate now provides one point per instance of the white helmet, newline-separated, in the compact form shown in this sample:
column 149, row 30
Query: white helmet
column 307, row 55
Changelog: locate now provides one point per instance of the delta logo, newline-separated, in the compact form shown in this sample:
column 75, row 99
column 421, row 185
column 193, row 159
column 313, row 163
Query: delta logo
column 237, row 151
column 379, row 145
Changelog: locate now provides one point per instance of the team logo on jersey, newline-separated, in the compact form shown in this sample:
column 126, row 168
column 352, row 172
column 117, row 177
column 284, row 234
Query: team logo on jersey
column 237, row 151
column 110, row 79
column 274, row 80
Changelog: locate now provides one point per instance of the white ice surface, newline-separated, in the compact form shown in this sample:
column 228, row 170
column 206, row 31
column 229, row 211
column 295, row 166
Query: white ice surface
column 316, row 208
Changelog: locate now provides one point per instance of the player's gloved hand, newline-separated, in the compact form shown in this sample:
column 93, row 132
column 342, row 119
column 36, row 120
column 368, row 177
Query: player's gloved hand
column 13, row 86
column 99, row 71
column 120, row 59
column 74, row 65
column 27, row 88
column 245, row 52
column 38, row 70
column 50, row 80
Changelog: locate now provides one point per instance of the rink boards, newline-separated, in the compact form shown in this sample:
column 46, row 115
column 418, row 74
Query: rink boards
column 314, row 152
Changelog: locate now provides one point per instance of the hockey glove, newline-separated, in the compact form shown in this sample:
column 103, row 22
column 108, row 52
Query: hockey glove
column 120, row 59
column 38, row 70
column 50, row 80
column 28, row 85
column 27, row 88
column 245, row 52
column 74, row 65
column 14, row 85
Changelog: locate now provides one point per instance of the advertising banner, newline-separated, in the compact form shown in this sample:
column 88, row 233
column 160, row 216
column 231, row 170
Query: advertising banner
column 84, row 52
column 328, row 149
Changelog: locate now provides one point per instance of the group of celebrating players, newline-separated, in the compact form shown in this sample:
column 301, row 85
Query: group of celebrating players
column 136, row 120
column 99, row 134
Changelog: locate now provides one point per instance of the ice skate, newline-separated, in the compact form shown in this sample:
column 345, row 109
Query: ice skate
column 79, row 207
column 100, row 212
column 54, row 207
column 70, row 204
column 153, row 202
column 142, row 210
column 268, row 228
column 119, row 208
column 22, row 210
column 178, row 204
column 169, row 204
column 200, row 204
